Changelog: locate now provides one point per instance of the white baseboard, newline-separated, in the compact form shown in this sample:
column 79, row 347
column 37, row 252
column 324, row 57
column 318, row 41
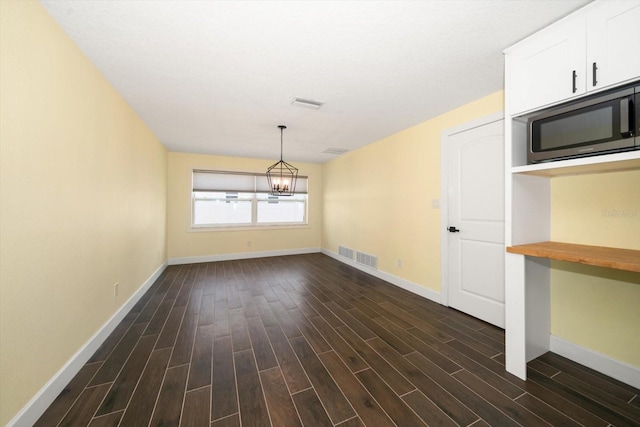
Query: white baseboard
column 394, row 280
column 615, row 369
column 47, row 394
column 240, row 255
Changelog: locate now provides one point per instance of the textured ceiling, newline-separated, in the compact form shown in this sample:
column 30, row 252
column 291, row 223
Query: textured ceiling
column 217, row 77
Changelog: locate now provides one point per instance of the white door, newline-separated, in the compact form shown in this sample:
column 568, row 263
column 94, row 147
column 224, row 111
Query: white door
column 476, row 221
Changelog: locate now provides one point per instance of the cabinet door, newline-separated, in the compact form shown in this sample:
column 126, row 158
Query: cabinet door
column 613, row 43
column 549, row 66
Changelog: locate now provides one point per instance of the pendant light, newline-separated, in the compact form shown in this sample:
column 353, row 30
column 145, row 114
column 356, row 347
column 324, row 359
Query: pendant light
column 282, row 177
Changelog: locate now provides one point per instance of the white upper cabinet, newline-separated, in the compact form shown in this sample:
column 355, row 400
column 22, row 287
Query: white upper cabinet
column 613, row 43
column 557, row 63
column 548, row 66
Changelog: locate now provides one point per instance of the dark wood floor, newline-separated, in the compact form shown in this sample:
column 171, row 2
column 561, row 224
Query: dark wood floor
column 306, row 340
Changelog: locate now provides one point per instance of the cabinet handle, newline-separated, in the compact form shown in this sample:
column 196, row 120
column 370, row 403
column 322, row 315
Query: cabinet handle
column 574, row 76
column 594, row 69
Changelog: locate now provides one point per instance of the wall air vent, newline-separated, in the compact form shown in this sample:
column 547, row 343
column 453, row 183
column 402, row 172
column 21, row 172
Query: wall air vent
column 335, row 151
column 307, row 103
column 366, row 259
column 345, row 252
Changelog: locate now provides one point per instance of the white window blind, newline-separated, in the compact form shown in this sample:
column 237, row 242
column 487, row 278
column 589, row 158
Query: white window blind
column 220, row 181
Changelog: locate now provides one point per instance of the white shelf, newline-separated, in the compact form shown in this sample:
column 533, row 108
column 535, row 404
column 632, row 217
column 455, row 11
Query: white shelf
column 595, row 164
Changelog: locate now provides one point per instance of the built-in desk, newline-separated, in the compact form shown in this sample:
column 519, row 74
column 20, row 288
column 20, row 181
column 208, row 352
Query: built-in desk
column 616, row 258
column 528, row 310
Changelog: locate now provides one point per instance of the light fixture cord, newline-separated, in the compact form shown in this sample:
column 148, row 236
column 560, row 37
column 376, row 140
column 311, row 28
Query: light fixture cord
column 281, row 132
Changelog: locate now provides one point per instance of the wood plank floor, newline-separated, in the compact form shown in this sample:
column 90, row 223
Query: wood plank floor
column 308, row 341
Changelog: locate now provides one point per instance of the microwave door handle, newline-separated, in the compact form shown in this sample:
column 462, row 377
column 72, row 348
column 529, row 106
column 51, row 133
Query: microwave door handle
column 626, row 107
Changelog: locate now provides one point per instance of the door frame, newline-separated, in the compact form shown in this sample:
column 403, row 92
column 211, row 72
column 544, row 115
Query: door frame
column 444, row 194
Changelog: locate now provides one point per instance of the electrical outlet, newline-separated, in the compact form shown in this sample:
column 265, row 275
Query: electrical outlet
column 399, row 263
column 115, row 289
column 248, row 243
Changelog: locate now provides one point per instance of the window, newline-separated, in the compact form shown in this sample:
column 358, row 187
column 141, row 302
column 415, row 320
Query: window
column 227, row 199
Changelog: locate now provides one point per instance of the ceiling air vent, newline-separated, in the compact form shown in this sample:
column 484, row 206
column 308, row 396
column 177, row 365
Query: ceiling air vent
column 307, row 103
column 335, row 151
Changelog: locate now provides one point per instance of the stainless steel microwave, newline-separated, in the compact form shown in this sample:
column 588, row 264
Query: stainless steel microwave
column 604, row 123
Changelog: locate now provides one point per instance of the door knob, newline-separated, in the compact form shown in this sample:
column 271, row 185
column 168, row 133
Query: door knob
column 453, row 230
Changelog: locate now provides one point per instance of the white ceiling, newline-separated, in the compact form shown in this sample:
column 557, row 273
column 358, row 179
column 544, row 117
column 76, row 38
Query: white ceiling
column 217, row 77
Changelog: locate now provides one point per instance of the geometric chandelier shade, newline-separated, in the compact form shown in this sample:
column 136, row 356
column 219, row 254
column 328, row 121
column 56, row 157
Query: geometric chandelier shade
column 282, row 176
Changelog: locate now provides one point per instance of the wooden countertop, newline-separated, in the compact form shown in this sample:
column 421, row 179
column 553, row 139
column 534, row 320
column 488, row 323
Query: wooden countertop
column 620, row 259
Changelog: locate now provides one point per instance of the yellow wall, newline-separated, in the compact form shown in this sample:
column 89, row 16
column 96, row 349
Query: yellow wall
column 594, row 307
column 82, row 201
column 378, row 199
column 183, row 242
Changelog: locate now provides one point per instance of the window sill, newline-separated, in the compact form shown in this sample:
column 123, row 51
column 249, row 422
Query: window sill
column 205, row 229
